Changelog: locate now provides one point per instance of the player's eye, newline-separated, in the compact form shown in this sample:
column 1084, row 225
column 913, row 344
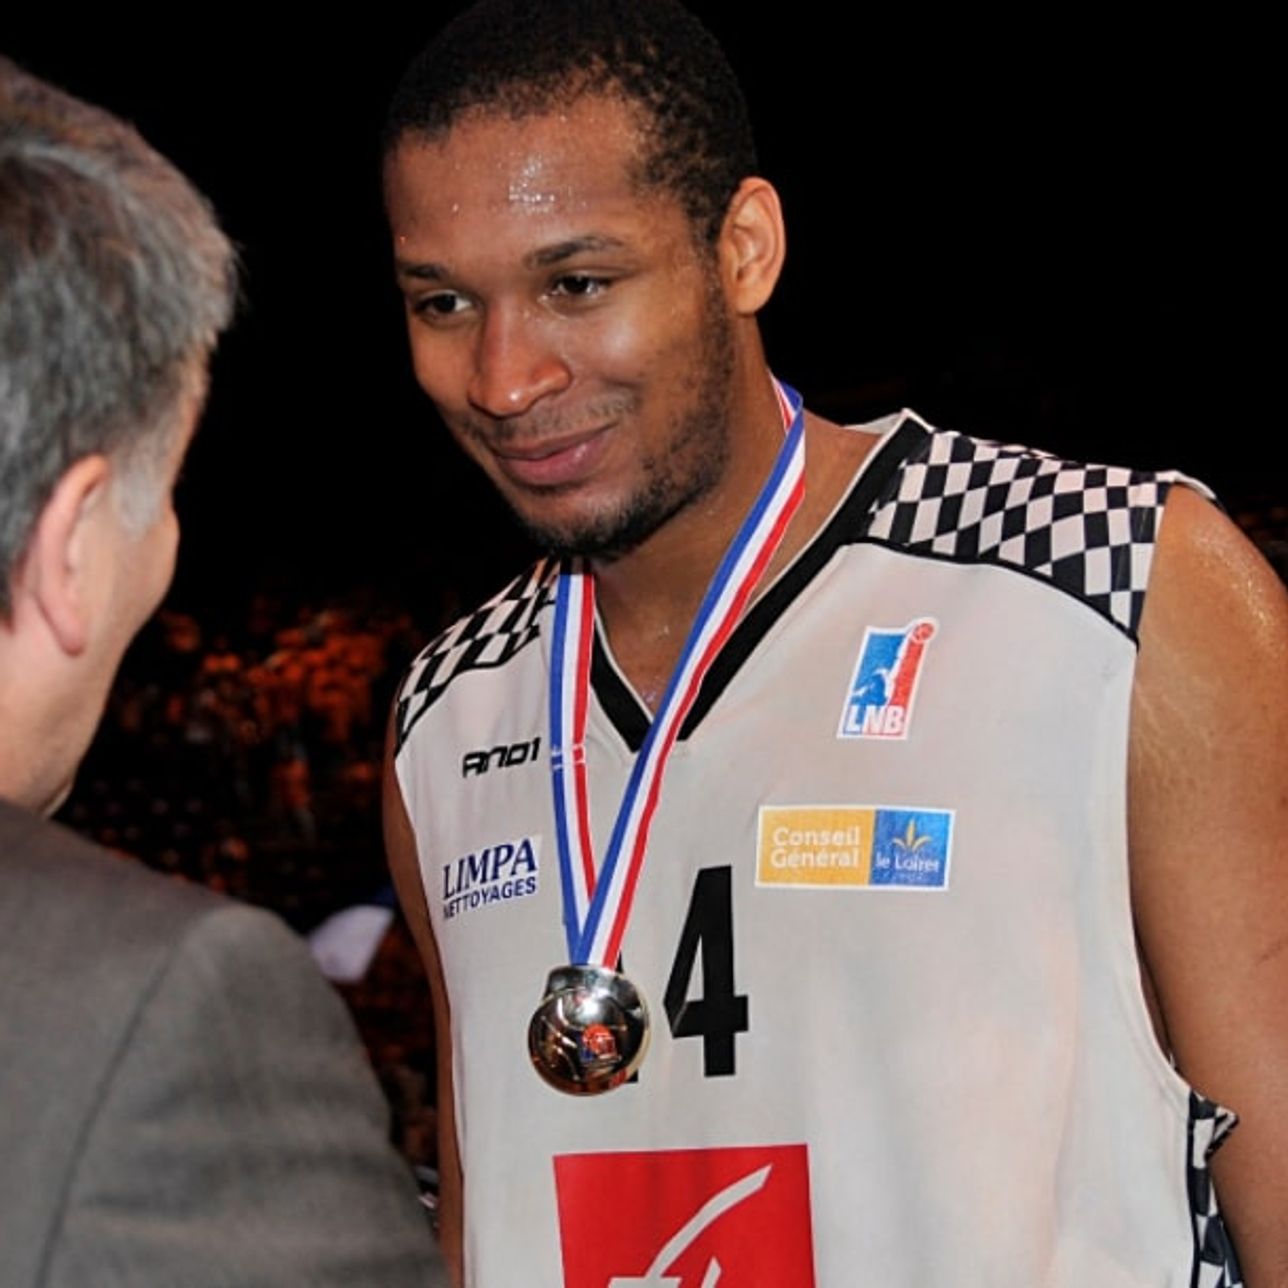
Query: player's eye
column 579, row 286
column 441, row 304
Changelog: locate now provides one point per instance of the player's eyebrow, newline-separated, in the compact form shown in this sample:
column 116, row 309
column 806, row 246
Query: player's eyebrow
column 542, row 257
column 429, row 272
column 556, row 253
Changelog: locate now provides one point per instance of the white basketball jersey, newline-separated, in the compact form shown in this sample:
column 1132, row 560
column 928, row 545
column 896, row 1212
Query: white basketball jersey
column 883, row 928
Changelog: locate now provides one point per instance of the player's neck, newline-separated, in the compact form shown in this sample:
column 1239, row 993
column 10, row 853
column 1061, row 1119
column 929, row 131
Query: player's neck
column 649, row 598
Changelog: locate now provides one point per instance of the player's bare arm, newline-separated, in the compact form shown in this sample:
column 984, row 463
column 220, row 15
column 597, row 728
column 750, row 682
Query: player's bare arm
column 400, row 844
column 1208, row 817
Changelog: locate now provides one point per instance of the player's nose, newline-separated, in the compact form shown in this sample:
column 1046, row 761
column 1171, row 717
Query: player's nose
column 515, row 364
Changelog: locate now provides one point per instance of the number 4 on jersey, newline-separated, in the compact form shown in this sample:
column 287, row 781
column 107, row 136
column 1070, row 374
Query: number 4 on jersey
column 720, row 1014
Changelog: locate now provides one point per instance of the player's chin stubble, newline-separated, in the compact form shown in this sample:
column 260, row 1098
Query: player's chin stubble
column 694, row 461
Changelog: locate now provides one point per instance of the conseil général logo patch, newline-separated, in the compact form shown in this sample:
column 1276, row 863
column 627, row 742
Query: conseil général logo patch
column 853, row 846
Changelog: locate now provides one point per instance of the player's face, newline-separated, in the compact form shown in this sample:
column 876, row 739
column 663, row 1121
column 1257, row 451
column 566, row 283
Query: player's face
column 572, row 333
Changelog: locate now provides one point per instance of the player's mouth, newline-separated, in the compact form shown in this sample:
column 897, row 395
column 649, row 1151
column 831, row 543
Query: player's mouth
column 558, row 462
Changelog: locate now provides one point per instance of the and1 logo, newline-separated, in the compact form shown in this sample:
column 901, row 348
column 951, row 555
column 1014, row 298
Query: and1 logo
column 881, row 695
column 505, row 756
column 686, row 1218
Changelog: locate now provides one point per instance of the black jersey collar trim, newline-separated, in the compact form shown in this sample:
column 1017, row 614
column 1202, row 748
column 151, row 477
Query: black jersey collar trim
column 848, row 522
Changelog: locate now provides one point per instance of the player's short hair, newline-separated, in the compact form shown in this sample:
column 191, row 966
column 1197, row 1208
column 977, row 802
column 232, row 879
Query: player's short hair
column 527, row 57
column 115, row 282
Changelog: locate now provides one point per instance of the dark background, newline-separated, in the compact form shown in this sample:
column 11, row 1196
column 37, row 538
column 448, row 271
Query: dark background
column 1054, row 234
column 1058, row 235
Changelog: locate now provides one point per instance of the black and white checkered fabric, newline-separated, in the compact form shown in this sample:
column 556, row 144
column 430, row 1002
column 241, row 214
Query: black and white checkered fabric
column 1215, row 1263
column 488, row 637
column 1089, row 529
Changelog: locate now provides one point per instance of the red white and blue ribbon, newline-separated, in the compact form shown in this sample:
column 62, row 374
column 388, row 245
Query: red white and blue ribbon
column 597, row 903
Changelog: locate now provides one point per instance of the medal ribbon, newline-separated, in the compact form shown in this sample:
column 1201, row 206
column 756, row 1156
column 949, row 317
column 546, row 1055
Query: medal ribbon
column 597, row 906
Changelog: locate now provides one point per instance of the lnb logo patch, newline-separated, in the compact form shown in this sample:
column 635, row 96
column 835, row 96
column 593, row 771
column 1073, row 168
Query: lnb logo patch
column 884, row 687
column 686, row 1218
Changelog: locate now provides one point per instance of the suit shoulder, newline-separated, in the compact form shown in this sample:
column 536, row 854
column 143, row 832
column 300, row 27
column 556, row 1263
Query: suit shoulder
column 250, row 960
column 55, row 883
column 240, row 1131
column 485, row 639
column 1088, row 530
column 85, row 938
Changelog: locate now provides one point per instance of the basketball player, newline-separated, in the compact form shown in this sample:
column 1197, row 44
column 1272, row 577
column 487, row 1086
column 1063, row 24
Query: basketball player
column 907, row 989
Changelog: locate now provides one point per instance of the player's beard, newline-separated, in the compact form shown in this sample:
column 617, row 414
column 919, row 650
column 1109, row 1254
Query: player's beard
column 692, row 462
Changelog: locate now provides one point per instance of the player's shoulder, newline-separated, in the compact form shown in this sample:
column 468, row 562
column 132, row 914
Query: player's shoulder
column 1087, row 529
column 1214, row 595
column 488, row 638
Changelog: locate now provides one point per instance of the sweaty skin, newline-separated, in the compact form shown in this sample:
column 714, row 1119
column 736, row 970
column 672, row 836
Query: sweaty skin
column 1208, row 793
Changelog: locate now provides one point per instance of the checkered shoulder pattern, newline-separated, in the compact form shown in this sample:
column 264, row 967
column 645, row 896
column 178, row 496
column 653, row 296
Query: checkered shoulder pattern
column 486, row 638
column 1087, row 529
column 1215, row 1263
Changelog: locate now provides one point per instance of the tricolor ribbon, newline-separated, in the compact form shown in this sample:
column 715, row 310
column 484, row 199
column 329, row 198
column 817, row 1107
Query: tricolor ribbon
column 597, row 904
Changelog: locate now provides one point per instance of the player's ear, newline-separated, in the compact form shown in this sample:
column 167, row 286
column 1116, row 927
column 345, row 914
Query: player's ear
column 753, row 242
column 54, row 576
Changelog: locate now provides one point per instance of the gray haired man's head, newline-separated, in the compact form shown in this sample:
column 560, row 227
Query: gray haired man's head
column 115, row 281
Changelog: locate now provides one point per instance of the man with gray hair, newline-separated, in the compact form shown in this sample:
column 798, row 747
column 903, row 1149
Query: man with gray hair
column 181, row 1098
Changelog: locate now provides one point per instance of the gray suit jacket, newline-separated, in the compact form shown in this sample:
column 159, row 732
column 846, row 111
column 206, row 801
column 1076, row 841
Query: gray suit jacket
column 182, row 1098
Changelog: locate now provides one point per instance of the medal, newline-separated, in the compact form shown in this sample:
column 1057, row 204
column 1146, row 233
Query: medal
column 590, row 1031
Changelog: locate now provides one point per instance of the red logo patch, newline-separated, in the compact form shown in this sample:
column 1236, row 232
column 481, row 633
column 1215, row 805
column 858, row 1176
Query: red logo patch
column 686, row 1218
